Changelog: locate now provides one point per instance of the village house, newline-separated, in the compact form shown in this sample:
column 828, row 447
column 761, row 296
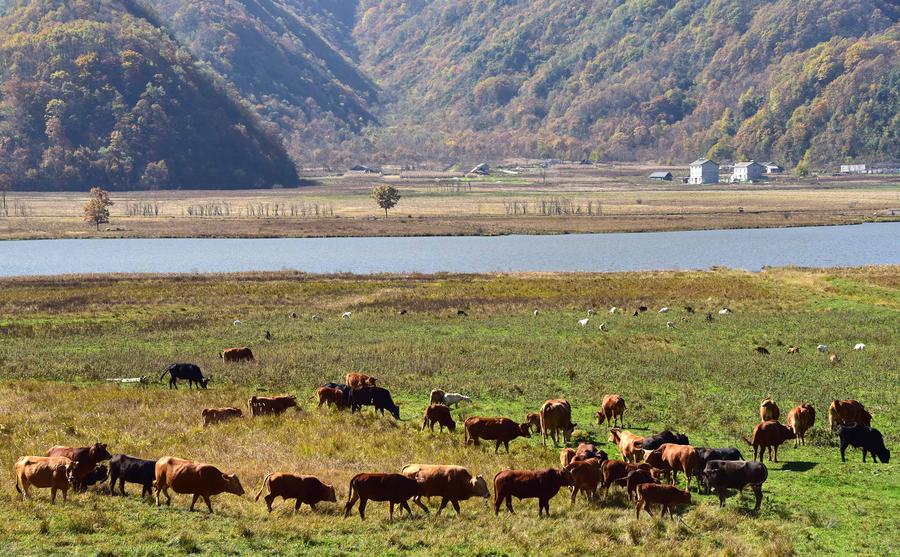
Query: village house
column 747, row 172
column 772, row 168
column 704, row 171
column 661, row 176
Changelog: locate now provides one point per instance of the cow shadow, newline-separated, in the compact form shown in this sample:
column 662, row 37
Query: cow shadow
column 798, row 466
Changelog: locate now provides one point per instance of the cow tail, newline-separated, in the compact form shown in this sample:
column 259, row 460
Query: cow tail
column 168, row 370
column 543, row 422
column 265, row 485
column 747, row 440
column 17, row 484
column 352, row 488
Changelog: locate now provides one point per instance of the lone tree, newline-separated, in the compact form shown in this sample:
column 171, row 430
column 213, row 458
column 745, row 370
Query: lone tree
column 96, row 210
column 386, row 197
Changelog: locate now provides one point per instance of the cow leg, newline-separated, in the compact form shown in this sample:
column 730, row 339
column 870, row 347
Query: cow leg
column 362, row 508
column 269, row 499
column 418, row 501
column 194, row 501
column 776, row 453
column 864, row 454
column 757, row 491
column 455, row 504
column 843, row 450
column 509, row 504
column 52, row 495
column 440, row 507
column 722, row 493
column 206, row 498
column 405, row 506
column 506, row 444
column 637, row 509
column 392, row 510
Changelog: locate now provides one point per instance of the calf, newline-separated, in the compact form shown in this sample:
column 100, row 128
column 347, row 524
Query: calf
column 612, row 409
column 378, row 397
column 194, row 478
column 705, row 455
column 500, row 430
column 124, row 468
column 675, row 458
column 666, row 496
column 305, row 489
column 95, row 476
column 396, row 489
column 438, row 414
column 800, row 419
column 769, row 435
column 768, row 410
column 190, row 372
column 556, row 417
column 357, row 380
column 55, row 472
column 260, row 405
column 866, row 438
column 216, row 415
column 615, row 470
column 653, row 442
column 451, row 483
column 585, row 477
column 242, row 354
column 345, row 389
column 87, row 458
column 847, row 412
column 636, row 478
column 722, row 475
column 437, row 397
column 331, row 396
column 630, row 445
column 542, row 485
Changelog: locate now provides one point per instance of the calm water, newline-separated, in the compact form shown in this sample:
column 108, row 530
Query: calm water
column 827, row 246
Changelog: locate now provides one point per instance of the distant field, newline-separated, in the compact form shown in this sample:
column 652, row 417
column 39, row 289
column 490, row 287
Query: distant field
column 61, row 338
column 566, row 199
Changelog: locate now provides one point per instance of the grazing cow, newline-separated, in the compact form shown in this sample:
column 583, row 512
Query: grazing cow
column 260, row 405
column 847, row 412
column 666, row 496
column 194, row 478
column 833, row 358
column 359, row 380
column 768, row 410
column 615, row 470
column 636, row 478
column 556, row 416
column 866, row 438
column 331, row 396
column 859, row 346
column 190, row 372
column 95, row 476
column 767, row 435
column 242, row 354
column 586, row 476
column 86, row 457
column 612, row 409
column 762, row 350
column 452, row 399
column 500, row 430
column 706, row 454
column 533, row 419
column 794, row 350
column 378, row 397
column 451, row 483
column 305, row 489
column 55, row 472
column 216, row 415
column 800, row 419
column 652, row 442
column 438, row 414
column 722, row 475
column 396, row 489
column 675, row 458
column 630, row 445
column 542, row 485
column 437, row 397
column 345, row 389
column 124, row 468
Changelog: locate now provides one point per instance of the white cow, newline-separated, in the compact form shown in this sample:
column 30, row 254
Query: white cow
column 822, row 348
column 346, row 315
column 859, row 346
column 583, row 322
column 664, row 310
column 451, row 399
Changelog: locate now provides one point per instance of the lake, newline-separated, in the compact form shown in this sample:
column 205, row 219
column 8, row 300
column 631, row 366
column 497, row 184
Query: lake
column 749, row 249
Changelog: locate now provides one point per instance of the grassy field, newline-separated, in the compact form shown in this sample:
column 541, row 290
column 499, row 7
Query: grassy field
column 566, row 199
column 61, row 338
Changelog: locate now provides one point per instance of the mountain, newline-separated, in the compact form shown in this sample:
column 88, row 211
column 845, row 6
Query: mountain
column 95, row 92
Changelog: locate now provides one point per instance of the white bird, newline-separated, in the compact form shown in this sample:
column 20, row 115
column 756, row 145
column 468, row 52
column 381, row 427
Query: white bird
column 664, row 310
column 613, row 309
column 724, row 311
column 583, row 322
column 859, row 346
column 237, row 322
column 592, row 311
column 670, row 325
column 346, row 315
column 822, row 348
column 602, row 327
column 535, row 312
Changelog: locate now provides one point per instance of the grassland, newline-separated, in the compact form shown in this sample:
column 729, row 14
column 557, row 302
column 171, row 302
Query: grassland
column 583, row 199
column 61, row 338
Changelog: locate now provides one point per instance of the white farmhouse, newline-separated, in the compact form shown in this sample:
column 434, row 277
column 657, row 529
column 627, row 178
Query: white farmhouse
column 747, row 172
column 704, row 171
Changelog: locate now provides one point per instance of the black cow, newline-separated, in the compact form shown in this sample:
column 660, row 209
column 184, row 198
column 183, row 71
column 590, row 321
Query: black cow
column 124, row 468
column 190, row 372
column 722, row 475
column 653, row 442
column 866, row 438
column 343, row 388
column 378, row 397
column 97, row 475
column 726, row 453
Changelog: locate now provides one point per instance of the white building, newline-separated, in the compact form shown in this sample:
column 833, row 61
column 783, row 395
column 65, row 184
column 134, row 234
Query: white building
column 704, row 171
column 747, row 172
column 853, row 169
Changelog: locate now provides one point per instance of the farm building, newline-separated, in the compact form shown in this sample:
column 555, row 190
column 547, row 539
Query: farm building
column 704, row 171
column 747, row 172
column 481, row 170
column 360, row 169
column 772, row 168
column 661, row 176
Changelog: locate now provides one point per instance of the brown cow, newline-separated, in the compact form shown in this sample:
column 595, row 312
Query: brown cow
column 533, row 419
column 357, row 380
column 847, row 412
column 331, row 396
column 194, row 478
column 397, row 489
column 500, row 430
column 675, row 458
column 833, row 358
column 242, row 354
column 542, row 485
column 615, row 470
column 565, row 456
column 86, row 457
column 612, row 409
column 630, row 445
column 667, row 496
column 55, row 472
column 305, row 489
column 438, row 414
column 556, row 416
column 794, row 350
column 768, row 435
column 800, row 419
column 584, row 451
column 216, row 415
column 768, row 410
column 260, row 405
column 437, row 396
column 636, row 478
column 585, row 477
column 451, row 483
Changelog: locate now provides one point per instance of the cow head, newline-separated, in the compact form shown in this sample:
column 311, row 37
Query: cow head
column 567, row 433
column 69, row 470
column 328, row 493
column 565, row 476
column 98, row 452
column 787, row 432
column 451, row 425
column 233, row 484
column 534, row 420
column 395, row 412
column 97, row 475
column 601, row 417
column 204, row 382
column 371, row 381
column 479, row 487
column 525, row 429
column 653, row 458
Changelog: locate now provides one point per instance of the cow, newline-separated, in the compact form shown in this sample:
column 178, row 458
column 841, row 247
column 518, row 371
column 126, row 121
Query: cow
column 675, row 458
column 615, row 470
column 242, row 354
column 556, row 417
column 866, row 438
column 794, row 350
column 396, row 489
column 800, row 419
column 86, row 457
column 95, row 476
column 345, row 389
column 768, row 410
column 707, row 454
column 438, row 414
column 767, row 435
column 331, row 396
column 636, row 478
column 378, row 397
column 453, row 399
column 666, row 496
column 437, row 397
column 847, row 412
column 585, row 451
column 566, row 455
column 612, row 409
column 194, row 478
column 55, row 472
column 586, row 477
column 357, row 380
column 542, row 485
column 500, row 430
column 260, row 405
column 533, row 419
column 630, row 445
column 190, row 372
column 451, row 483
column 722, row 475
column 652, row 442
column 305, row 489
column 216, row 415
column 124, row 468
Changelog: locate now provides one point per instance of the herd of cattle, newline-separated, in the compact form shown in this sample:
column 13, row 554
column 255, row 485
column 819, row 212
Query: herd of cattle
column 646, row 460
